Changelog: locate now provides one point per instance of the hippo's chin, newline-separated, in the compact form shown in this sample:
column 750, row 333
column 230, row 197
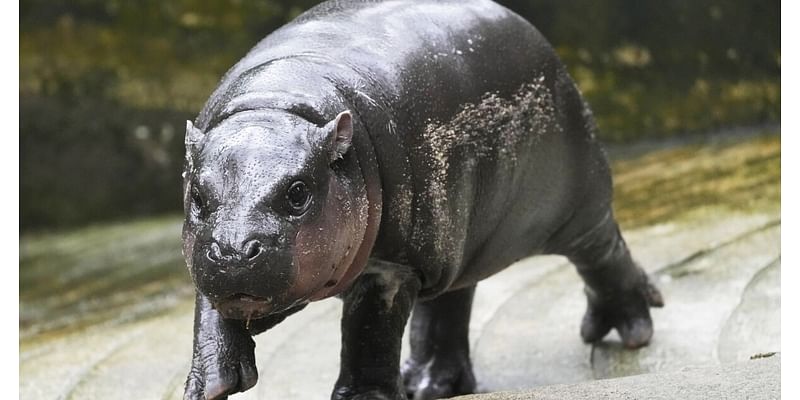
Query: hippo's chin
column 244, row 306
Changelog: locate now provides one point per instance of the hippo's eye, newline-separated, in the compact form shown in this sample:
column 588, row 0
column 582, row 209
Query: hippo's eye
column 299, row 197
column 198, row 204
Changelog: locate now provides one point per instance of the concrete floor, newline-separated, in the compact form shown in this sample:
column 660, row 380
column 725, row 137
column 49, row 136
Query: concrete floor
column 717, row 265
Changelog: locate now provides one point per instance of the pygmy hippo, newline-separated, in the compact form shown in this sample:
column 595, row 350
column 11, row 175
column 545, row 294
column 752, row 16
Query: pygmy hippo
column 393, row 154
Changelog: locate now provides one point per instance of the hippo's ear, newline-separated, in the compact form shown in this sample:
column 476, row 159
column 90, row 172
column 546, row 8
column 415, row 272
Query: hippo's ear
column 192, row 139
column 339, row 134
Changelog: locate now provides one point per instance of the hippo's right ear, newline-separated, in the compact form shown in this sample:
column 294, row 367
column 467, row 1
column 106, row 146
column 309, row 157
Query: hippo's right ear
column 192, row 139
column 339, row 135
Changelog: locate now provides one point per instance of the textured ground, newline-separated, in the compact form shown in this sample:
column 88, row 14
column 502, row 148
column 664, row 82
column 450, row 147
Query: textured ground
column 106, row 311
column 753, row 379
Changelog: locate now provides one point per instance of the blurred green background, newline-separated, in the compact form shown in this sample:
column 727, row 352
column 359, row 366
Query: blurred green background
column 105, row 86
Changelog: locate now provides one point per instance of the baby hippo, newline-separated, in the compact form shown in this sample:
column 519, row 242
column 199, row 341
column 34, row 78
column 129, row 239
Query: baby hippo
column 393, row 154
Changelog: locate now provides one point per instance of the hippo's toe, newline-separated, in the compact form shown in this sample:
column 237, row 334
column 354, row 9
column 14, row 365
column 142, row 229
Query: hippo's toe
column 226, row 381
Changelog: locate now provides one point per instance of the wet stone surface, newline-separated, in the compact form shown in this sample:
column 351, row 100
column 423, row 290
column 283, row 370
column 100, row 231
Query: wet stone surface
column 106, row 312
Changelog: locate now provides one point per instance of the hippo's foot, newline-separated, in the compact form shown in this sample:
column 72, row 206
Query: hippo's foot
column 216, row 376
column 627, row 312
column 223, row 361
column 440, row 377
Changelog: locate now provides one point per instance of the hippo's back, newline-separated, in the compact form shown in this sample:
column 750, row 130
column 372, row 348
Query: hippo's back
column 398, row 52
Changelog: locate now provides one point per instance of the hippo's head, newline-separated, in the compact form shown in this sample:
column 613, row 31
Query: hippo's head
column 276, row 210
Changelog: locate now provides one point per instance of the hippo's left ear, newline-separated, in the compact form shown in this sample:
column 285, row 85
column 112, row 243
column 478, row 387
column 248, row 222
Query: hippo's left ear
column 339, row 134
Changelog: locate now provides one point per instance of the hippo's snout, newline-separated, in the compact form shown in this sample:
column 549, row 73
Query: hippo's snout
column 244, row 277
column 247, row 255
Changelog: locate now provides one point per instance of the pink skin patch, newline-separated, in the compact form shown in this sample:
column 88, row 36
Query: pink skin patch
column 359, row 262
column 324, row 250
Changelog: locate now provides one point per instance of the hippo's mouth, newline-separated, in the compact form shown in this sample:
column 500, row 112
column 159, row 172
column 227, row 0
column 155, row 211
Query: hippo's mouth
column 244, row 306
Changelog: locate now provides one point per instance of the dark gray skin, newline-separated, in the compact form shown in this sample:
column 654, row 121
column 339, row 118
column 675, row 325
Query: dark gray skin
column 394, row 154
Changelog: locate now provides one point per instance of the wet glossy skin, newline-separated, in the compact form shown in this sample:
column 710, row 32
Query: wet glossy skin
column 441, row 140
column 252, row 251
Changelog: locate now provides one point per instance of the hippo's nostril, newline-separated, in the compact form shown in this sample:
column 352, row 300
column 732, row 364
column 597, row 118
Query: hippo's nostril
column 214, row 253
column 252, row 249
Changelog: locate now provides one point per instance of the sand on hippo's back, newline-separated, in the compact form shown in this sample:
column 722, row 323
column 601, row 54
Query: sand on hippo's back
column 495, row 128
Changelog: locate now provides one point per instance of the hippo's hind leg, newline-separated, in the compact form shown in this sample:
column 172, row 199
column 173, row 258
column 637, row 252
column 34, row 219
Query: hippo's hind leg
column 439, row 365
column 618, row 291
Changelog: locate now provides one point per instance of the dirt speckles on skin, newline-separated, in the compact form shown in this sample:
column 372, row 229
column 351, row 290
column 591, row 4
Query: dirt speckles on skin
column 400, row 208
column 495, row 129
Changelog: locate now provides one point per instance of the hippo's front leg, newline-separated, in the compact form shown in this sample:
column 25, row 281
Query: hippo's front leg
column 223, row 361
column 376, row 308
